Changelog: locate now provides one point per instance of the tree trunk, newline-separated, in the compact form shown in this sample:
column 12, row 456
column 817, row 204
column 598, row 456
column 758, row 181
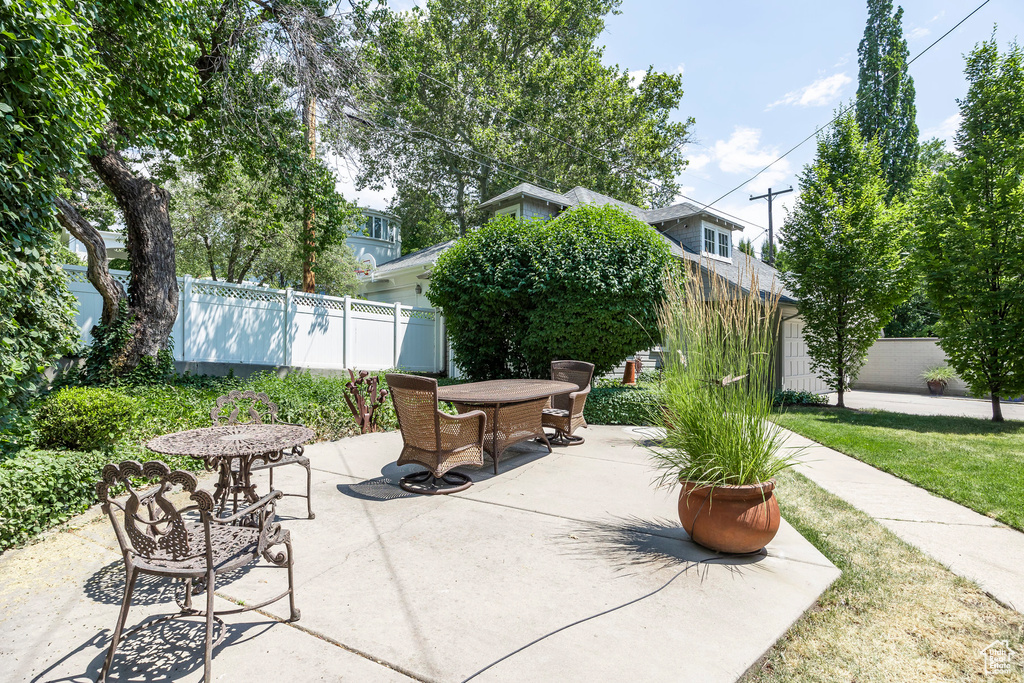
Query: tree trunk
column 839, row 398
column 152, row 286
column 308, row 231
column 997, row 410
column 98, row 273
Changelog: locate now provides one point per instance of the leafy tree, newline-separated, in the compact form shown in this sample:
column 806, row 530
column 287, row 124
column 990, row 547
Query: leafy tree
column 747, row 247
column 915, row 317
column 424, row 222
column 885, row 96
column 517, row 294
column 51, row 97
column 845, row 253
column 477, row 95
column 971, row 217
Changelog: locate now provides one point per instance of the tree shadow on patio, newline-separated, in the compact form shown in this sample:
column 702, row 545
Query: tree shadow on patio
column 632, row 542
column 165, row 651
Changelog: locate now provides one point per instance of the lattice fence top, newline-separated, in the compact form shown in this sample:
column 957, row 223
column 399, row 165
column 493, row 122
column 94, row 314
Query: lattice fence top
column 235, row 292
column 82, row 276
column 417, row 313
column 375, row 309
column 319, row 302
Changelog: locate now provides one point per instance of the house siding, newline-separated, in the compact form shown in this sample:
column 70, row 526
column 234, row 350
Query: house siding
column 534, row 209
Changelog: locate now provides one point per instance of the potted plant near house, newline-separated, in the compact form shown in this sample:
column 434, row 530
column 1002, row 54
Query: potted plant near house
column 937, row 379
column 719, row 444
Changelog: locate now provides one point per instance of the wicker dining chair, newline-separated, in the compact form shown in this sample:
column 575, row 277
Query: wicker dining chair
column 243, row 407
column 565, row 412
column 434, row 439
column 156, row 539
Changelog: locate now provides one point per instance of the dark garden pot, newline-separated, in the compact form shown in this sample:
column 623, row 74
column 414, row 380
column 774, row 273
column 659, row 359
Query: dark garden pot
column 936, row 387
column 730, row 519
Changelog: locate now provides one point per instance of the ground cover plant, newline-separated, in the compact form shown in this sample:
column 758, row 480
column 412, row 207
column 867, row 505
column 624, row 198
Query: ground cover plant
column 974, row 462
column 893, row 614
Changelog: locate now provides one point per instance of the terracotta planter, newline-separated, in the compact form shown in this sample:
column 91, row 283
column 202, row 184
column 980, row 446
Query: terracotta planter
column 937, row 387
column 736, row 519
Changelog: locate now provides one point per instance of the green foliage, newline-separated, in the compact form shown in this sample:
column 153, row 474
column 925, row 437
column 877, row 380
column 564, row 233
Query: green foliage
column 746, row 246
column 518, row 294
column 474, row 88
column 84, row 418
column 844, row 253
column 940, row 373
column 971, row 218
column 718, row 349
column 885, row 97
column 40, row 489
column 51, row 100
column 789, row 397
column 915, row 317
column 622, row 405
column 423, row 219
column 104, row 364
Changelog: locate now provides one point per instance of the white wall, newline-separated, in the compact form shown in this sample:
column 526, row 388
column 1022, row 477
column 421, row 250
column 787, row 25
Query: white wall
column 896, row 364
column 224, row 323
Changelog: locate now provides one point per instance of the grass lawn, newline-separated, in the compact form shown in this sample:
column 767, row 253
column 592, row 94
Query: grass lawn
column 893, row 615
column 974, row 462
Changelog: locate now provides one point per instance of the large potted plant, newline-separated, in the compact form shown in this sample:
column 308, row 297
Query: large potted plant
column 937, row 379
column 720, row 445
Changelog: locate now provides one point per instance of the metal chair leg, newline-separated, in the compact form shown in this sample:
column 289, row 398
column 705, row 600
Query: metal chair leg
column 309, row 492
column 208, row 665
column 129, row 586
column 295, row 613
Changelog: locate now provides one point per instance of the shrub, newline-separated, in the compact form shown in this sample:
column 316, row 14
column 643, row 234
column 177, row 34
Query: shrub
column 39, row 489
column 518, row 294
column 622, row 405
column 788, row 397
column 940, row 373
column 84, row 418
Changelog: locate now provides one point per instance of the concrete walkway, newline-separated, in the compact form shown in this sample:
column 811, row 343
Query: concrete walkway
column 564, row 567
column 923, row 404
column 970, row 544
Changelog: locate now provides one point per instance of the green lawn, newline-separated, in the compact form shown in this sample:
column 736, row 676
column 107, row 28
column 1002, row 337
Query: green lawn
column 974, row 462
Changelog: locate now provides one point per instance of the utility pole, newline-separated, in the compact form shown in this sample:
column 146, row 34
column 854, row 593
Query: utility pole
column 771, row 232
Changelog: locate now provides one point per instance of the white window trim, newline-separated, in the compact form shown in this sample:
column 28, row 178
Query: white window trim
column 717, row 231
column 513, row 211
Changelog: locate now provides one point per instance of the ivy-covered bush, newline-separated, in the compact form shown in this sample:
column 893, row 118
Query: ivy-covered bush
column 40, row 489
column 84, row 418
column 517, row 294
column 622, row 405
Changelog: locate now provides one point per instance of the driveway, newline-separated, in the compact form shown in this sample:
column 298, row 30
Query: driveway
column 923, row 404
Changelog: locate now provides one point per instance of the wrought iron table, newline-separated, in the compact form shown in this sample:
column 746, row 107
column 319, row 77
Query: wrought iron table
column 513, row 408
column 232, row 450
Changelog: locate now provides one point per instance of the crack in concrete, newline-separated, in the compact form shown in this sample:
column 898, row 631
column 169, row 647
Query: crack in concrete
column 994, row 525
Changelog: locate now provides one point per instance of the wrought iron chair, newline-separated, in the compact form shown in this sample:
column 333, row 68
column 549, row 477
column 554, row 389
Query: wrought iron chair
column 565, row 412
column 434, row 439
column 156, row 539
column 243, row 407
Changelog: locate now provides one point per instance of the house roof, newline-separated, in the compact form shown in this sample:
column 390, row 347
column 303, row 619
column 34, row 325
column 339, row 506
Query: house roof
column 423, row 257
column 581, row 195
column 530, row 191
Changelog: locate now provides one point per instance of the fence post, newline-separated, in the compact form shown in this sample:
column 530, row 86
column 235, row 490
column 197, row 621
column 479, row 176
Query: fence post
column 186, row 301
column 287, row 361
column 345, row 330
column 398, row 321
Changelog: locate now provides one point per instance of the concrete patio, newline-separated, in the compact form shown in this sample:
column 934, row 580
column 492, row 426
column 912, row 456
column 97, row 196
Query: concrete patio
column 564, row 567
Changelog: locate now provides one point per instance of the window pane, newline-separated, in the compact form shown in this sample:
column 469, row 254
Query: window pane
column 723, row 244
column 376, row 227
column 709, row 240
column 369, row 226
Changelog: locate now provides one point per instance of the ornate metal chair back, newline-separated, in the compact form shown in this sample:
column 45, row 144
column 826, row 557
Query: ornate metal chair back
column 148, row 523
column 415, row 400
column 243, row 407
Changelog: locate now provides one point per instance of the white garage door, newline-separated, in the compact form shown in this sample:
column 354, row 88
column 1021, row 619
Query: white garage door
column 796, row 364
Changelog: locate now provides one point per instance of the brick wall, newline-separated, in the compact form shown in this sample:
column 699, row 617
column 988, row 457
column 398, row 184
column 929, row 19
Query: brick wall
column 896, row 364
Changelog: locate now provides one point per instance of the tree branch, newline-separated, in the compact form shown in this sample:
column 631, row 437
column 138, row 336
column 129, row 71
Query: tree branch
column 98, row 273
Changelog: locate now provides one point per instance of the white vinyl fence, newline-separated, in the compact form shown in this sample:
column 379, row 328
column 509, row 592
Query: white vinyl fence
column 245, row 324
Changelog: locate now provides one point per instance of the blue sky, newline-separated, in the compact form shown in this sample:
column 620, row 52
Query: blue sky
column 759, row 77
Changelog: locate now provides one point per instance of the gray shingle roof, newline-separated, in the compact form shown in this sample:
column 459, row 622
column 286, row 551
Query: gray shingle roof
column 530, row 191
column 581, row 195
column 423, row 257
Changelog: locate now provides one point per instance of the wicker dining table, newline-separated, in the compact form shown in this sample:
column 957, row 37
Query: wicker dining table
column 231, row 450
column 513, row 408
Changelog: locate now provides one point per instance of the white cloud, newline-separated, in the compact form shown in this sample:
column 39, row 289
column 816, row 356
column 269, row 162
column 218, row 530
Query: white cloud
column 919, row 32
column 636, row 76
column 943, row 131
column 345, row 183
column 937, row 16
column 697, row 162
column 681, row 69
column 821, row 92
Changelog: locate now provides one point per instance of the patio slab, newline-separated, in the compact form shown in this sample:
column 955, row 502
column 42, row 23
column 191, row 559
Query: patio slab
column 566, row 567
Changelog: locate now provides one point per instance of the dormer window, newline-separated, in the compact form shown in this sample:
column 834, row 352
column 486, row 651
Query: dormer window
column 717, row 242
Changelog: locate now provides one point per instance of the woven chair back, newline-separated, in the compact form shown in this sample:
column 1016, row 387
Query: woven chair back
column 243, row 407
column 578, row 372
column 415, row 400
column 148, row 523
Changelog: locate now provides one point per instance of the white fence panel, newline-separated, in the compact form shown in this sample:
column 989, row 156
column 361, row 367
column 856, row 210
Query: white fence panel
column 225, row 323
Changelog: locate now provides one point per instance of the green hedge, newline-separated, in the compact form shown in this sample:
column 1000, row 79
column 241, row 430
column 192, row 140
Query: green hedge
column 84, row 418
column 622, row 405
column 39, row 489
